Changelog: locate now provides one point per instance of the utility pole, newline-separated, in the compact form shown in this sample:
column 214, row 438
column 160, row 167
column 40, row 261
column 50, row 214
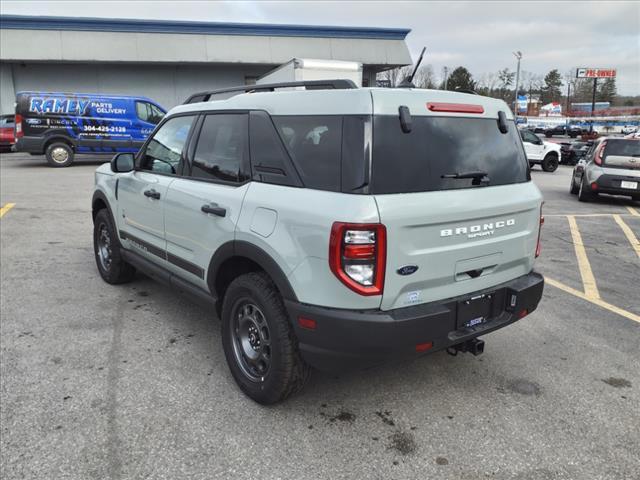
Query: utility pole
column 568, row 95
column 518, row 55
column 446, row 77
column 593, row 97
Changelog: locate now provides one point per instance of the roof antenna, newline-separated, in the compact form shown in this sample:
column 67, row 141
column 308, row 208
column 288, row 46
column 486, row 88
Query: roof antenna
column 408, row 81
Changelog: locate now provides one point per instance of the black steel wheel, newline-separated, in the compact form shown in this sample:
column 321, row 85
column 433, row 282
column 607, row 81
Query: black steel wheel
column 259, row 342
column 251, row 339
column 106, row 246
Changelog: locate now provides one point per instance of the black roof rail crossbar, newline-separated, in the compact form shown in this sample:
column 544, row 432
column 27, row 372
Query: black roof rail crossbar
column 338, row 84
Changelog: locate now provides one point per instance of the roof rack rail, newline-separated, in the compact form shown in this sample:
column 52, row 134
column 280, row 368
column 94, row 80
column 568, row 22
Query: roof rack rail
column 338, row 84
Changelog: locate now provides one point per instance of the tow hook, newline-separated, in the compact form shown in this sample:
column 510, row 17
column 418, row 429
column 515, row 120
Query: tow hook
column 475, row 346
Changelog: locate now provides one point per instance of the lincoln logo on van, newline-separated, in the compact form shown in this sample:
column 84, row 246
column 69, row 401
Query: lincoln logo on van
column 479, row 230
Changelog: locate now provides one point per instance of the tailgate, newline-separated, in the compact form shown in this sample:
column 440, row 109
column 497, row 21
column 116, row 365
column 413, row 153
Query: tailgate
column 461, row 240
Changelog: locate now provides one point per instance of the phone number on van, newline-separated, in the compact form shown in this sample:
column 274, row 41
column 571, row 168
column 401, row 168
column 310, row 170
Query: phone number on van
column 104, row 128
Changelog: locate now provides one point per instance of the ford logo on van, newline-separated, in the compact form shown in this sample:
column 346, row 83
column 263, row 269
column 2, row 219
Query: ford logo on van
column 479, row 230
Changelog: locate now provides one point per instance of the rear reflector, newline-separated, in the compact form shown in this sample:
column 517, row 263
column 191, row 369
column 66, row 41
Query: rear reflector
column 423, row 347
column 594, row 186
column 307, row 323
column 523, row 313
column 455, row 107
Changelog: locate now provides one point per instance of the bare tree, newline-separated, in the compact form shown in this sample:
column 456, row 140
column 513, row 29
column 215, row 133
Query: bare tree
column 396, row 75
column 425, row 78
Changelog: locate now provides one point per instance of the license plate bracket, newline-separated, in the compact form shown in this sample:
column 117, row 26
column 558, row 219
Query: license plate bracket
column 474, row 311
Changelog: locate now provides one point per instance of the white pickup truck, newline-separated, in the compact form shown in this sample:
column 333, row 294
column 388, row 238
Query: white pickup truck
column 538, row 151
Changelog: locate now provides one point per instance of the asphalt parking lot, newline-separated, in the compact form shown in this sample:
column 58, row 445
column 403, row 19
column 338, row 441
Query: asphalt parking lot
column 130, row 381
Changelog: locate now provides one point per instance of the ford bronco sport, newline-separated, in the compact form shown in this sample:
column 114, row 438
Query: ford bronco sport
column 329, row 226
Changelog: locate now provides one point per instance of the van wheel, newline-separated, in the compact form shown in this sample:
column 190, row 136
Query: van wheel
column 584, row 194
column 259, row 343
column 550, row 163
column 59, row 154
column 112, row 267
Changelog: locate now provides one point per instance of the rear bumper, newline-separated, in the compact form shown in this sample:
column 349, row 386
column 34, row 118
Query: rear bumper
column 30, row 144
column 357, row 339
column 612, row 184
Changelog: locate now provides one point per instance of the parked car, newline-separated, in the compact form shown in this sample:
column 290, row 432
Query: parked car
column 612, row 166
column 329, row 228
column 571, row 131
column 628, row 129
column 59, row 125
column 7, row 138
column 546, row 154
column 572, row 152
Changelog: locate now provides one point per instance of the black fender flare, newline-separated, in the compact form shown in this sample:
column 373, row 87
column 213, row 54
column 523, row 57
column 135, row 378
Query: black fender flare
column 239, row 248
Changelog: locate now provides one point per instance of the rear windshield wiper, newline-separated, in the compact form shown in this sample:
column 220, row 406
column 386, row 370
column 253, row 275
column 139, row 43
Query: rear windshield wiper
column 477, row 176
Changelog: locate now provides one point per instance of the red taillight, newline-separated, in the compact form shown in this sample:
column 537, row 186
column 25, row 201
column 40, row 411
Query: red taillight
column 18, row 129
column 455, row 107
column 357, row 256
column 538, row 245
column 594, row 186
column 598, row 156
column 523, row 313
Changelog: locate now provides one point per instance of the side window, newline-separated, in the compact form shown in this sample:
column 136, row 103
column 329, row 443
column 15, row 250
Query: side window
column 527, row 136
column 314, row 143
column 147, row 112
column 222, row 149
column 163, row 153
column 269, row 160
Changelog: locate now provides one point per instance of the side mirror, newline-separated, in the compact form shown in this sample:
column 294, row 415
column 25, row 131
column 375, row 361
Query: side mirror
column 122, row 162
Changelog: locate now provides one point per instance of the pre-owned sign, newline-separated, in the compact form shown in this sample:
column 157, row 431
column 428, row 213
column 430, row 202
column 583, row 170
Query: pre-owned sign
column 596, row 73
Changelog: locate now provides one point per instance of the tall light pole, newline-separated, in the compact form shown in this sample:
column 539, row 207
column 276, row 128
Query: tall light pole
column 518, row 55
column 446, row 77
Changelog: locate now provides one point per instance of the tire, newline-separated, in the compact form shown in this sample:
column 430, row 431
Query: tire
column 59, row 154
column 548, row 135
column 259, row 343
column 573, row 188
column 584, row 194
column 550, row 163
column 107, row 250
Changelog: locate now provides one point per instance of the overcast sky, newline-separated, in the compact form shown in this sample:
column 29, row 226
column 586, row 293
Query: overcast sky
column 478, row 35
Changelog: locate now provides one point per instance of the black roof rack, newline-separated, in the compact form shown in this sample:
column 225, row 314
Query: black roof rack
column 339, row 84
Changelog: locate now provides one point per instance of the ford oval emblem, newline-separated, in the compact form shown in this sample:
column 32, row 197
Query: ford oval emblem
column 407, row 269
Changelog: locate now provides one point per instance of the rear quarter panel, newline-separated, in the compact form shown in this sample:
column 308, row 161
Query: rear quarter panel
column 293, row 226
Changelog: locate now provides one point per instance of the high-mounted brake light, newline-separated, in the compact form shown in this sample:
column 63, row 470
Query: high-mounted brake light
column 18, row 126
column 598, row 156
column 455, row 107
column 357, row 256
column 538, row 245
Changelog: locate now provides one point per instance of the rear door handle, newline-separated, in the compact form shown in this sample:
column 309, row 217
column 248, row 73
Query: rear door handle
column 214, row 209
column 152, row 194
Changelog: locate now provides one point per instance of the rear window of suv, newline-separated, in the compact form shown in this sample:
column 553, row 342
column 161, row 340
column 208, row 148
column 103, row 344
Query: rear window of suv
column 438, row 146
column 622, row 153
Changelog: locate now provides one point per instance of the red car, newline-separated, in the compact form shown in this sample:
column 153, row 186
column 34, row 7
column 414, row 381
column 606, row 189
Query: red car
column 7, row 138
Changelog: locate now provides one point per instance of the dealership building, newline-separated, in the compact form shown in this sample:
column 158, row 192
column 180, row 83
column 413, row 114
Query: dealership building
column 169, row 60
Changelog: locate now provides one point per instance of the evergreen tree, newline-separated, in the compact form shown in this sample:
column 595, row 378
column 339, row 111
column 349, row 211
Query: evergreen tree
column 460, row 79
column 551, row 91
column 606, row 90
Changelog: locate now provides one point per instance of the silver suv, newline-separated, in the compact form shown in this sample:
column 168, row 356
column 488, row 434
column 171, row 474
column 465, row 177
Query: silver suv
column 329, row 226
column 611, row 166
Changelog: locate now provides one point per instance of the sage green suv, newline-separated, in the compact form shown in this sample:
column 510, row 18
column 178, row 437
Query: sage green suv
column 329, row 226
